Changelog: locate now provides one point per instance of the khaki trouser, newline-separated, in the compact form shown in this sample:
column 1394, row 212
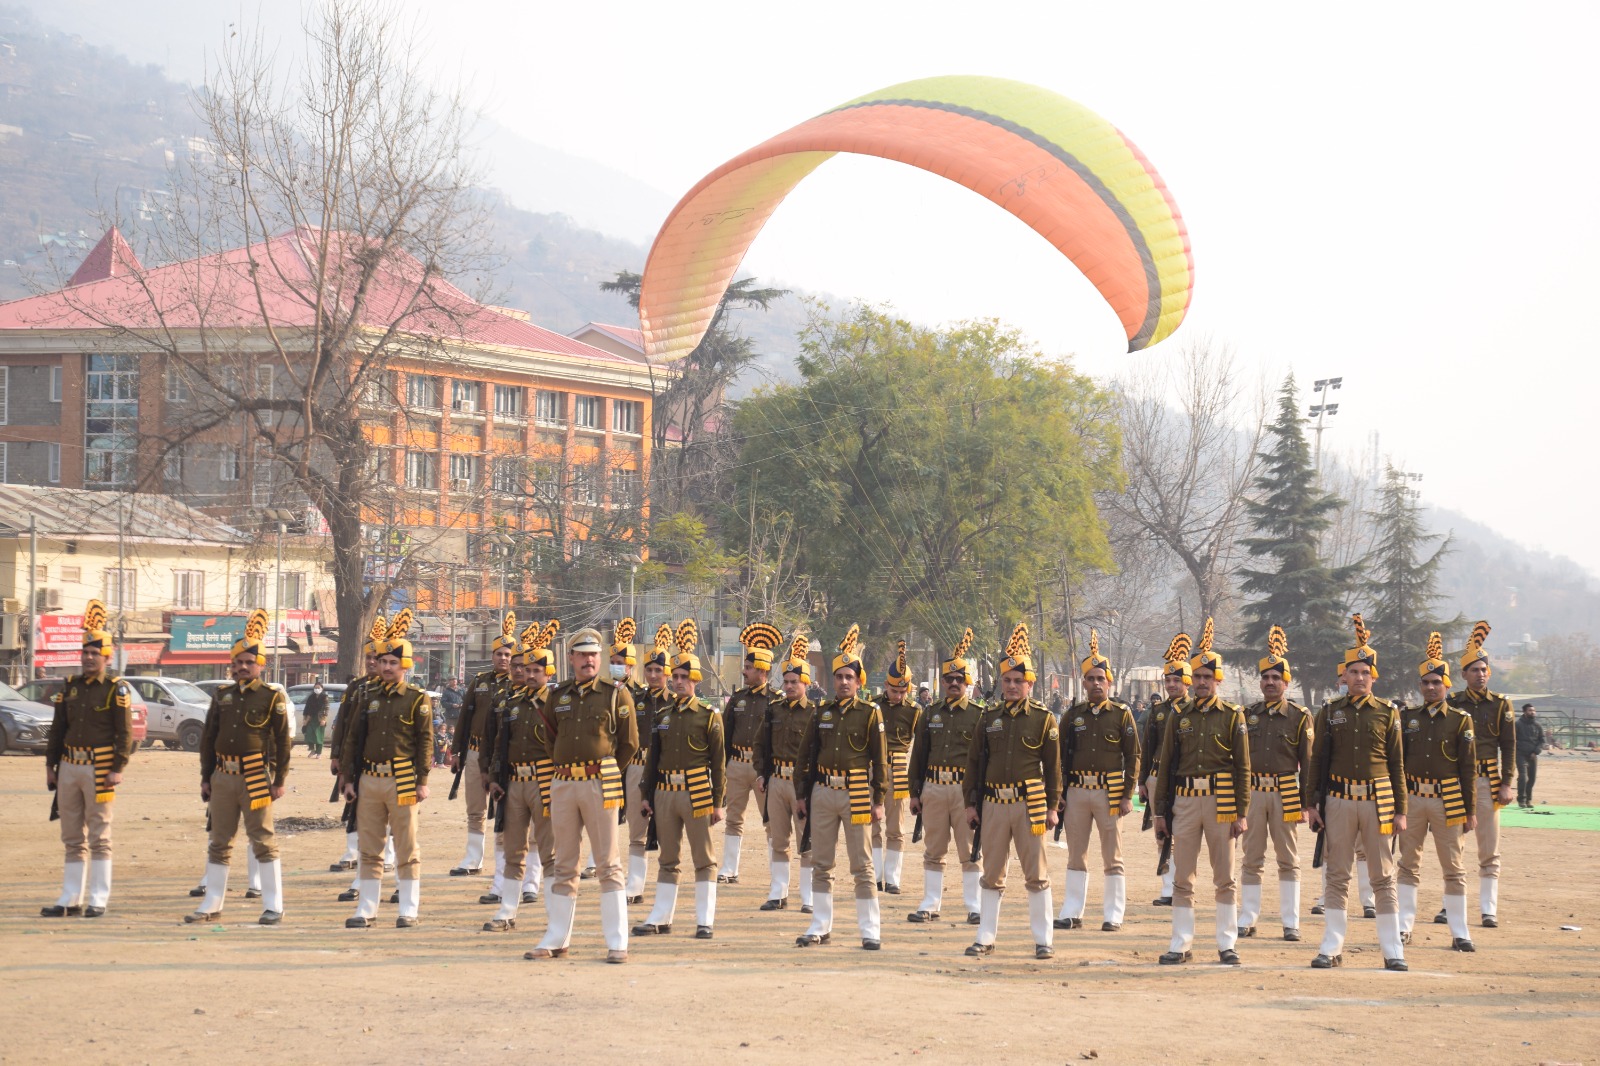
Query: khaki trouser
column 1086, row 808
column 1266, row 820
column 1350, row 821
column 892, row 828
column 577, row 807
column 638, row 824
column 85, row 824
column 1424, row 815
column 230, row 801
column 783, row 821
column 477, row 789
column 1488, row 831
column 741, row 788
column 524, row 819
column 1194, row 818
column 944, row 817
column 1006, row 826
column 378, row 813
column 830, row 815
column 675, row 819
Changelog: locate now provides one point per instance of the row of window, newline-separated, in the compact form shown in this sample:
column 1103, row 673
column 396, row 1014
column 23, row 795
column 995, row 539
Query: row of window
column 120, row 589
column 511, row 475
column 229, row 381
column 5, row 391
column 426, row 392
column 52, row 472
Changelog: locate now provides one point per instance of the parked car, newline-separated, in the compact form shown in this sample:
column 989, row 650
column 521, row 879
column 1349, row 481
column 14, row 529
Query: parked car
column 177, row 709
column 24, row 723
column 45, row 689
column 210, row 688
column 297, row 698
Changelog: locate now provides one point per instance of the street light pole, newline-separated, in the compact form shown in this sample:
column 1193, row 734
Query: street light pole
column 277, row 613
column 1321, row 410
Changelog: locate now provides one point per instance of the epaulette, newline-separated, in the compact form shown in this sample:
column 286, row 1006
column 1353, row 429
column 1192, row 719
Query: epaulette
column 1037, row 705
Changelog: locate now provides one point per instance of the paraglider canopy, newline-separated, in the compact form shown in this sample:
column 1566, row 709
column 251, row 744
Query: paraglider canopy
column 1065, row 171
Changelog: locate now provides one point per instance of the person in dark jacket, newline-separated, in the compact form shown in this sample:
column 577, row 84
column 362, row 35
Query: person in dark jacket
column 1530, row 742
column 316, row 719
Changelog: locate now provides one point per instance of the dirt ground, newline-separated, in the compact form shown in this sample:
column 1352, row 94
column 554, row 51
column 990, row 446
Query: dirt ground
column 140, row 986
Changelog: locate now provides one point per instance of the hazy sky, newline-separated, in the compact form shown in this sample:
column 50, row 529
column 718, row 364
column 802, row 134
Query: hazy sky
column 1398, row 193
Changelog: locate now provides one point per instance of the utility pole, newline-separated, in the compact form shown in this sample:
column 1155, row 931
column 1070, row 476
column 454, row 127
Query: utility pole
column 452, row 622
column 33, row 597
column 122, row 580
column 1323, row 409
column 277, row 614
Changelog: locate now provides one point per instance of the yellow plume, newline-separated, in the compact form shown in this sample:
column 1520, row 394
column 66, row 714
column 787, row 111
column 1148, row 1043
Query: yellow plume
column 255, row 627
column 1179, row 649
column 546, row 635
column 400, row 626
column 1019, row 646
column 1480, row 633
column 801, row 648
column 687, row 636
column 760, row 635
column 1094, row 644
column 963, row 645
column 528, row 637
column 1435, row 646
column 94, row 616
column 900, row 667
column 379, row 628
column 508, row 624
column 1206, row 634
column 1363, row 635
column 663, row 641
column 1278, row 642
column 847, row 646
column 627, row 629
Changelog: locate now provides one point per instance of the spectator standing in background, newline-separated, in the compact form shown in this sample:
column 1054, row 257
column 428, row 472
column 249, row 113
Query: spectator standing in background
column 1530, row 742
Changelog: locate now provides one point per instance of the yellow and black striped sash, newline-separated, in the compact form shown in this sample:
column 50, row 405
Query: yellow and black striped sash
column 1490, row 768
column 1378, row 790
column 640, row 755
column 524, row 772
column 545, row 771
column 783, row 769
column 900, row 774
column 1285, row 785
column 254, row 768
column 1220, row 785
column 858, row 785
column 696, row 781
column 945, row 775
column 100, row 759
column 1030, row 792
column 1113, row 781
column 743, row 754
column 1448, row 790
column 405, row 781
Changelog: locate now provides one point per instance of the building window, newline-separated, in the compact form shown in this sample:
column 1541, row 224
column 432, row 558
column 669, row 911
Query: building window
column 111, row 419
column 510, row 401
column 263, row 382
column 177, row 385
column 5, row 397
column 550, row 409
column 423, row 391
column 585, row 485
column 230, row 463
column 55, row 384
column 626, row 416
column 379, row 389
column 252, row 590
column 463, row 473
column 625, row 487
column 4, row 449
column 508, row 474
column 189, row 590
column 292, row 593
column 586, row 411
column 262, row 476
column 466, row 396
column 422, row 470
column 71, row 575
column 120, row 590
column 41, row 574
column 54, row 453
column 172, row 464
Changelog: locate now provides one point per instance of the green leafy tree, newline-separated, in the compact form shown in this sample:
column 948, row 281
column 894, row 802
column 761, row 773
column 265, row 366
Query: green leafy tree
column 1402, row 570
column 1291, row 584
column 934, row 475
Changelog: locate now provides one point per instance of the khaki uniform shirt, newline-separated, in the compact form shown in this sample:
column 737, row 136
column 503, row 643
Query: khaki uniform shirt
column 1358, row 740
column 786, row 732
column 944, row 738
column 844, row 736
column 1439, row 745
column 1020, row 742
column 353, row 700
column 745, row 721
column 1204, row 738
column 245, row 719
column 484, row 694
column 592, row 720
column 687, row 735
column 523, row 742
column 1102, row 738
column 93, row 714
column 399, row 725
column 1494, row 724
column 1280, row 737
column 899, row 723
column 1155, row 727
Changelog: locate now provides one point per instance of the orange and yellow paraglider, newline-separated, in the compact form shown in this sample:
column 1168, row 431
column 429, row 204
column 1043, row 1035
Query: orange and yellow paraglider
column 1065, row 171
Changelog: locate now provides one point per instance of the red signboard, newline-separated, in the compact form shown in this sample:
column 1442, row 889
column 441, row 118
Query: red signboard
column 58, row 632
column 141, row 654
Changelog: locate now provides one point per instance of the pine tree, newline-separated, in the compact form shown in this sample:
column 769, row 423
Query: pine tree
column 1293, row 586
column 1402, row 587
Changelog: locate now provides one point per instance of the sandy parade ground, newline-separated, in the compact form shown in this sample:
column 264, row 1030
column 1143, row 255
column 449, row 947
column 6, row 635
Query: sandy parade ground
column 140, row 986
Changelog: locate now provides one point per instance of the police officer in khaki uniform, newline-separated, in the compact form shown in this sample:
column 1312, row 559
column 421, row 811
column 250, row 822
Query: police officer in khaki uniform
column 593, row 735
column 1494, row 724
column 1014, row 777
column 1202, row 794
column 901, row 714
column 938, row 785
column 352, row 699
column 1099, row 769
column 244, row 761
column 1358, row 790
column 469, row 746
column 623, row 661
column 684, row 789
column 517, row 774
column 746, row 720
column 779, row 750
column 1175, row 678
column 840, row 782
column 1441, row 790
column 91, row 740
column 1280, row 755
column 384, row 766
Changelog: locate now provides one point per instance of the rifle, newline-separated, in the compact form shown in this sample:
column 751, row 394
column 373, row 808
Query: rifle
column 1324, row 766
column 348, row 817
column 500, row 766
column 455, row 782
column 916, row 829
column 982, row 782
column 1170, row 793
column 1164, row 859
column 55, row 806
